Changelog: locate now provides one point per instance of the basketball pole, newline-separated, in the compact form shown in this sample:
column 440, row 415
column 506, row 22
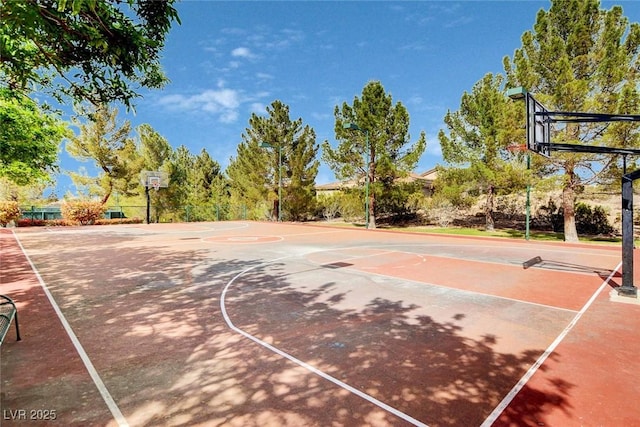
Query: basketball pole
column 146, row 190
column 628, row 288
column 539, row 120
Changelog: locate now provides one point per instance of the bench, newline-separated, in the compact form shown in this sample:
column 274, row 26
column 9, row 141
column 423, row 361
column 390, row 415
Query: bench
column 8, row 312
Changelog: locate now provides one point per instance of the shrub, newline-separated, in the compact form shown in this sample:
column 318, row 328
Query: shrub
column 592, row 221
column 442, row 212
column 83, row 211
column 119, row 221
column 549, row 216
column 9, row 211
column 31, row 222
column 328, row 206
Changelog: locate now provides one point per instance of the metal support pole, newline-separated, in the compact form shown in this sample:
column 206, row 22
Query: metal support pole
column 627, row 288
column 146, row 190
column 280, row 183
column 366, row 191
column 528, row 205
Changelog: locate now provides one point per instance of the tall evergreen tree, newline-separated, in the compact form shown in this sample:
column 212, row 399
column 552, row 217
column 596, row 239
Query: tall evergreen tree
column 203, row 178
column 288, row 165
column 113, row 151
column 156, row 154
column 479, row 135
column 381, row 151
column 249, row 175
column 580, row 58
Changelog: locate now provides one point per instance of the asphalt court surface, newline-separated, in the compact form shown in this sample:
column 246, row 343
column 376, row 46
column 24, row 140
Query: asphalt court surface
column 245, row 323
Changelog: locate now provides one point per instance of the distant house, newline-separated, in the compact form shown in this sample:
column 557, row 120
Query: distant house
column 427, row 178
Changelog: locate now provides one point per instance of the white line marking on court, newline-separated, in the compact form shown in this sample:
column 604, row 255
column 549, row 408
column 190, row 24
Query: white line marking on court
column 302, row 364
column 532, row 370
column 467, row 291
column 365, row 272
column 106, row 396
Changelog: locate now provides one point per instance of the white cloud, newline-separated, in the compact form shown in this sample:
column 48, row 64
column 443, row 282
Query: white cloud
column 242, row 52
column 258, row 108
column 222, row 102
column 264, row 76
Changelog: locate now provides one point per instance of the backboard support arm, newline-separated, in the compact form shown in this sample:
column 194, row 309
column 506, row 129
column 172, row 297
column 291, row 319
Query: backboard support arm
column 539, row 121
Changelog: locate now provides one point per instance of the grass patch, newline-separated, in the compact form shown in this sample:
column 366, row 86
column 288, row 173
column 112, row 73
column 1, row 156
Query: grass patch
column 509, row 233
column 548, row 236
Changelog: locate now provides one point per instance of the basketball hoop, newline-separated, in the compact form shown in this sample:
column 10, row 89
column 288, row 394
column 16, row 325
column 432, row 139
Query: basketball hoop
column 154, row 182
column 517, row 148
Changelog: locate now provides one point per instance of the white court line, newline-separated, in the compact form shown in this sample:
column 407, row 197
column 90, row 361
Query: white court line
column 367, row 397
column 532, row 370
column 106, row 396
column 302, row 364
column 467, row 291
column 366, row 272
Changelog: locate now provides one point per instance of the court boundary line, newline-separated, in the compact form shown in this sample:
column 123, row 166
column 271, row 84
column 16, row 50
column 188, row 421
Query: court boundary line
column 93, row 373
column 506, row 401
column 482, row 261
column 373, row 273
column 301, row 363
column 497, row 410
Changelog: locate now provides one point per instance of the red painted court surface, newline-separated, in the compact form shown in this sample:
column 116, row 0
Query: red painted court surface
column 264, row 324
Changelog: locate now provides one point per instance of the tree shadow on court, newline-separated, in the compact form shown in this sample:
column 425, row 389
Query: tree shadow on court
column 151, row 321
column 426, row 369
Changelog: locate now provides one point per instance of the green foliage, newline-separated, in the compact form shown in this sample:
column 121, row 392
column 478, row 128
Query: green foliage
column 288, row 164
column 249, row 175
column 9, row 211
column 589, row 220
column 478, row 138
column 328, row 205
column 85, row 212
column 100, row 50
column 549, row 216
column 29, row 139
column 381, row 149
column 346, row 204
column 592, row 220
column 582, row 58
column 65, row 222
column 441, row 211
column 156, row 154
column 114, row 153
column 456, row 186
column 399, row 199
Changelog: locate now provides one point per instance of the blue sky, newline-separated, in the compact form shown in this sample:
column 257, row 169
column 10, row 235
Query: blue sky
column 229, row 59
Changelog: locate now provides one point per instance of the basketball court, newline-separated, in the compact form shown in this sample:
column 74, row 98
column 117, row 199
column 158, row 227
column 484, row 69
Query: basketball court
column 260, row 324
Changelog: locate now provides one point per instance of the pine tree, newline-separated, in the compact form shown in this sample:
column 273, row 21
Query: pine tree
column 380, row 152
column 113, row 151
column 276, row 157
column 479, row 135
column 580, row 58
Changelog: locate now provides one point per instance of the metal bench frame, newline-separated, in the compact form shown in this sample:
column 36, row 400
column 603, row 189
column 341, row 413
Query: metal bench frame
column 8, row 313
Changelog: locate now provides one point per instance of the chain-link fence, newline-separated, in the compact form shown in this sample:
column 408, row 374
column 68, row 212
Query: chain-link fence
column 193, row 213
